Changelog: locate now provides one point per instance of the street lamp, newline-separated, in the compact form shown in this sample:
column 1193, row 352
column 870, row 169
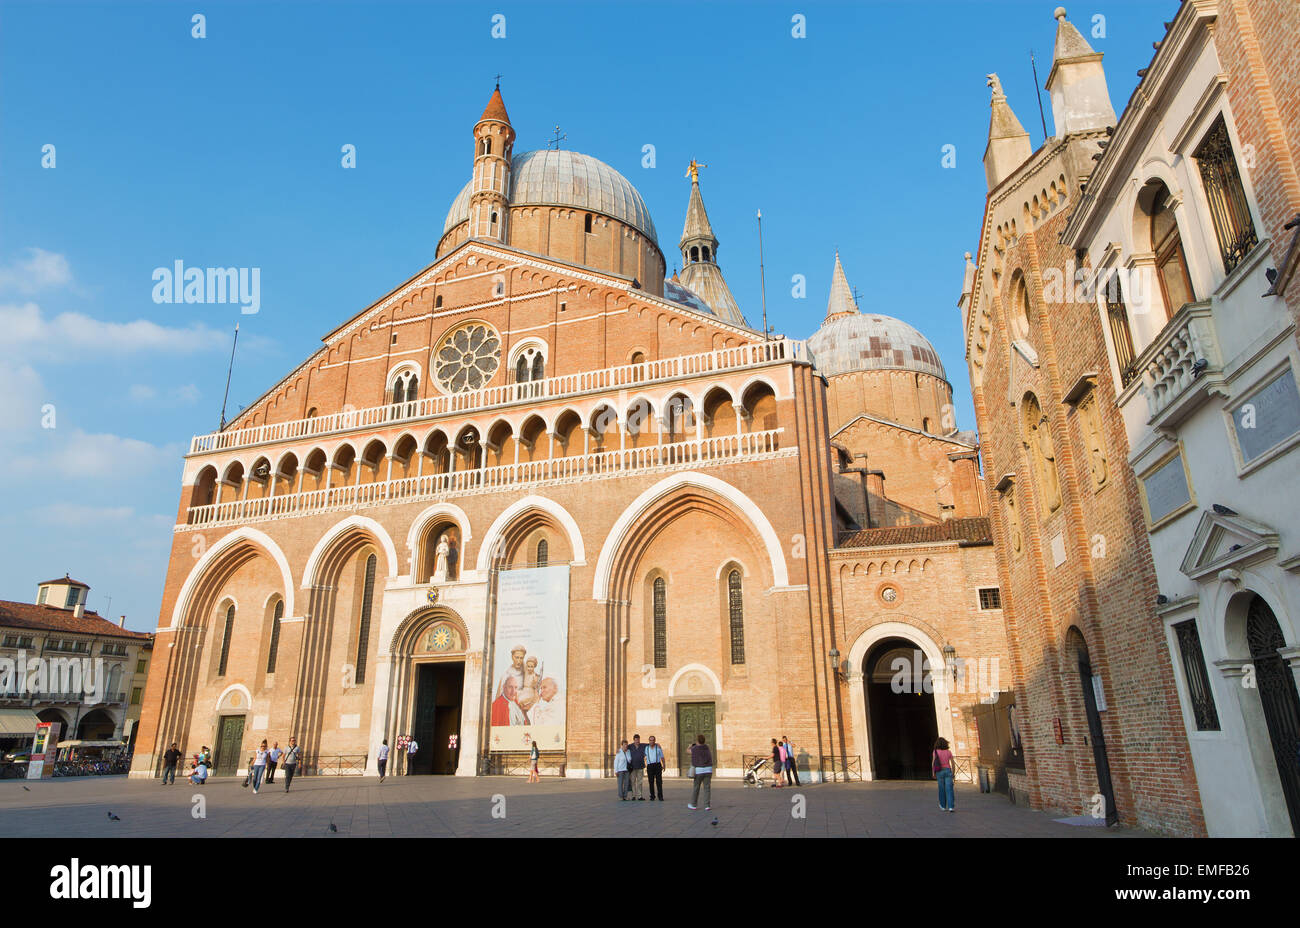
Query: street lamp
column 950, row 658
column 835, row 663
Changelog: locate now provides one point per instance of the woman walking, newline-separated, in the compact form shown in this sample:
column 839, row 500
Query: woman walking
column 534, row 755
column 941, row 766
column 702, row 768
column 259, row 766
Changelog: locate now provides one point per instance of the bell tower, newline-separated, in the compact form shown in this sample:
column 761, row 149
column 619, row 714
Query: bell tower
column 494, row 139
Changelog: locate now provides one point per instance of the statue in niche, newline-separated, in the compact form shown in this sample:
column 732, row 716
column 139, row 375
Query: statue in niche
column 442, row 560
column 1048, row 456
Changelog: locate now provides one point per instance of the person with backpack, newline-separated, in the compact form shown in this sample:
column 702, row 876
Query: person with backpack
column 941, row 767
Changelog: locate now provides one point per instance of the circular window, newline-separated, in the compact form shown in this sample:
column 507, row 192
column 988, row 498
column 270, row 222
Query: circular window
column 467, row 358
column 889, row 594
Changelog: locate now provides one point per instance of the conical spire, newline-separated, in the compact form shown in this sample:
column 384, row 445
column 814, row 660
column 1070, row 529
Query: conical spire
column 1077, row 83
column 1070, row 43
column 697, row 230
column 700, row 271
column 496, row 108
column 841, row 302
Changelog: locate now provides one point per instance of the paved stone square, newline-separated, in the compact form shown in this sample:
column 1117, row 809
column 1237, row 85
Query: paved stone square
column 462, row 807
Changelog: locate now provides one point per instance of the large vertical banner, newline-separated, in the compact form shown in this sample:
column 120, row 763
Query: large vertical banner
column 530, row 659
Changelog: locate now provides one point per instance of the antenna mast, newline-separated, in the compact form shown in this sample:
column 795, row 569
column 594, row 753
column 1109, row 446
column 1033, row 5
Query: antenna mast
column 762, row 278
column 1039, row 94
column 229, row 371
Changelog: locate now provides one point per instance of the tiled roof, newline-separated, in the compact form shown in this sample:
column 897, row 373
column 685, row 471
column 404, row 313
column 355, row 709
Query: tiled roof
column 969, row 530
column 64, row 579
column 53, row 619
column 496, row 108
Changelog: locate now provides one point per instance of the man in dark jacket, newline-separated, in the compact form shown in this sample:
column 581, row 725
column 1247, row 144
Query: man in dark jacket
column 170, row 760
column 636, row 768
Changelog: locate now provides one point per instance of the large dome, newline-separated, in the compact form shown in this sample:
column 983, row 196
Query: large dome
column 870, row 342
column 567, row 178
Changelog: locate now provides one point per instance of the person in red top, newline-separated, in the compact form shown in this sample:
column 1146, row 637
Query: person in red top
column 941, row 765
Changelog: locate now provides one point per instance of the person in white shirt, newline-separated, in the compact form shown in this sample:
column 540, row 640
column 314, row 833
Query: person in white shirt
column 620, row 769
column 654, row 768
column 272, row 759
column 548, row 710
column 383, row 760
column 411, row 747
column 259, row 765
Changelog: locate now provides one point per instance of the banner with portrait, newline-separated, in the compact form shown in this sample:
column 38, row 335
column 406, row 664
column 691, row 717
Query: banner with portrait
column 530, row 660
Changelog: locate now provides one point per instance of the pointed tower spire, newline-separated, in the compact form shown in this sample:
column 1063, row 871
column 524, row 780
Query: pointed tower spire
column 841, row 302
column 1077, row 82
column 700, row 271
column 1008, row 146
column 489, row 197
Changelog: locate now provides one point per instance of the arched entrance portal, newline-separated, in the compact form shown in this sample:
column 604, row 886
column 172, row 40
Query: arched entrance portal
column 429, row 649
column 900, row 710
column 1278, row 697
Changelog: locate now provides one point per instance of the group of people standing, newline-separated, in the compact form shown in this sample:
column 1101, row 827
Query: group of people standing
column 412, row 747
column 783, row 763
column 635, row 763
column 263, row 762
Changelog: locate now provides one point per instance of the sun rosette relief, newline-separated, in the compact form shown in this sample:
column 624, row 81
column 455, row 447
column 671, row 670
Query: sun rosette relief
column 467, row 357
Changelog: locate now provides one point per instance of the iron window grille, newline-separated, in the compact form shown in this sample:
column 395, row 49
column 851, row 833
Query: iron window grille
column 1226, row 196
column 225, row 640
column 990, row 598
column 736, row 608
column 660, row 623
column 363, row 632
column 1198, row 679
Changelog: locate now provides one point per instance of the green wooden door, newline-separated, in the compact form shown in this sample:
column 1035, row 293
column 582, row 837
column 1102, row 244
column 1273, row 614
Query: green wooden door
column 694, row 719
column 230, row 740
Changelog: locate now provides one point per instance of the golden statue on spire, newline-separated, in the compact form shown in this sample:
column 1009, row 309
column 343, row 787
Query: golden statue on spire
column 693, row 171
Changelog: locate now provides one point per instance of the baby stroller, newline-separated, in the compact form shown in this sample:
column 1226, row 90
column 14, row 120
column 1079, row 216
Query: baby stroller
column 754, row 775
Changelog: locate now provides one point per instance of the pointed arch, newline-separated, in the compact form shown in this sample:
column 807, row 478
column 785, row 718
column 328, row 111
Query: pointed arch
column 350, row 524
column 496, row 534
column 225, row 547
column 737, row 500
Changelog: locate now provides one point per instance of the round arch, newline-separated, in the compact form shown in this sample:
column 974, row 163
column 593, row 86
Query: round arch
column 694, row 668
column 426, row 518
column 233, row 688
column 857, row 656
column 741, row 502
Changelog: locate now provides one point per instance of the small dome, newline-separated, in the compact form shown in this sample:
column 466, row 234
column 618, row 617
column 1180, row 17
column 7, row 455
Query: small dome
column 674, row 292
column 869, row 342
column 567, row 178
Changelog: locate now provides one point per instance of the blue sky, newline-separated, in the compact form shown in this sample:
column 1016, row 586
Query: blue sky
column 225, row 151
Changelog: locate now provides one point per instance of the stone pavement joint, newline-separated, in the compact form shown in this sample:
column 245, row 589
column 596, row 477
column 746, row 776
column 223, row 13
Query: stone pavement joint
column 445, row 807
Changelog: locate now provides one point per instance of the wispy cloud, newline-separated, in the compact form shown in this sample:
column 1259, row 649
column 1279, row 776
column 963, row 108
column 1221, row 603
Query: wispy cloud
column 70, row 336
column 36, row 270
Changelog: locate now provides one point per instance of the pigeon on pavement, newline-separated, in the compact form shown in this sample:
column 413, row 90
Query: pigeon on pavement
column 113, row 817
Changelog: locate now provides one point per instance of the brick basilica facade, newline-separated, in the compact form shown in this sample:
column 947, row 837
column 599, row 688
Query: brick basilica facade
column 758, row 532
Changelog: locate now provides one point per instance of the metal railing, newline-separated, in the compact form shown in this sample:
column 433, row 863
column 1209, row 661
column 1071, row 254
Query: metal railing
column 834, row 769
column 492, row 479
column 335, row 765
column 626, row 375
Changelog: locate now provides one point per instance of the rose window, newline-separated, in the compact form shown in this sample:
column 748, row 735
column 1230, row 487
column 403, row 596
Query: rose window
column 467, row 358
